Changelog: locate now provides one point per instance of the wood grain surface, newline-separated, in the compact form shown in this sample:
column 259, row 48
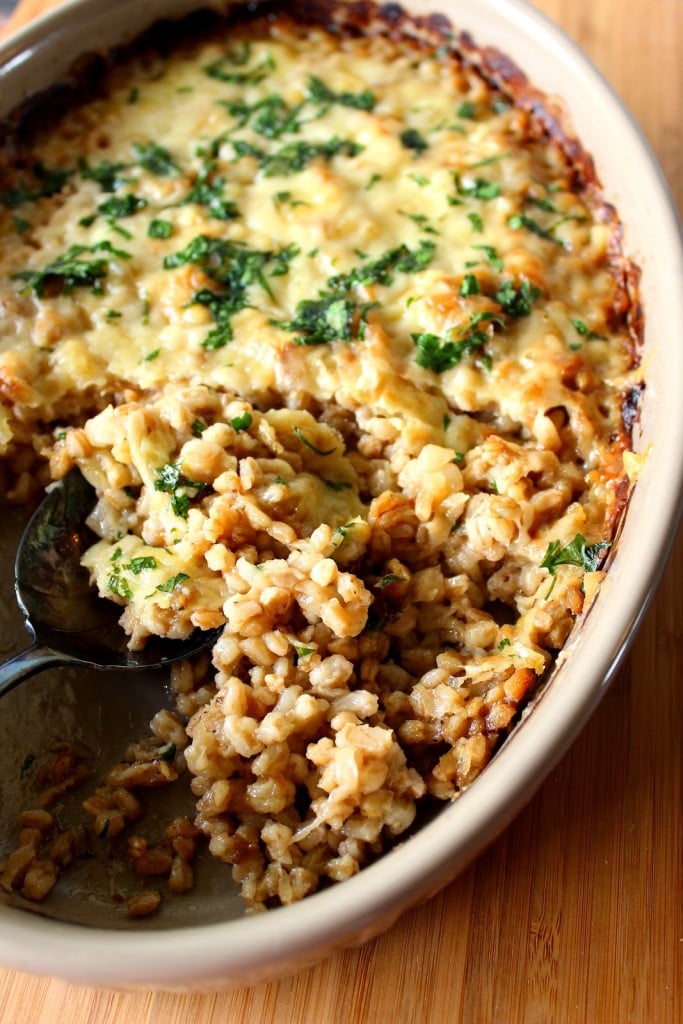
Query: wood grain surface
column 575, row 914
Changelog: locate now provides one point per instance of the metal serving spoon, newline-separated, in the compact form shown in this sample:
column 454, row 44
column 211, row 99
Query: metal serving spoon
column 68, row 624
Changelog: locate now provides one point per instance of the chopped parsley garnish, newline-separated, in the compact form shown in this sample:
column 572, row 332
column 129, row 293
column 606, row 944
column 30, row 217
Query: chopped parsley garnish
column 168, row 751
column 222, row 69
column 169, row 586
column 106, row 174
column 155, row 158
column 270, row 117
column 517, row 221
column 159, row 228
column 208, row 191
column 72, row 270
column 295, row 156
column 319, row 92
column 381, row 270
column 476, row 188
column 581, row 328
column 242, row 422
column 235, row 267
column 332, row 317
column 171, row 480
column 136, row 565
column 476, row 222
column 48, row 182
column 577, row 552
column 338, row 485
column 411, row 139
column 492, row 256
column 121, row 206
column 386, row 581
column 469, row 286
column 516, row 301
column 467, row 110
column 117, row 585
column 422, row 222
column 303, row 652
column 439, row 355
column 154, row 354
column 198, row 427
column 309, row 444
column 282, row 198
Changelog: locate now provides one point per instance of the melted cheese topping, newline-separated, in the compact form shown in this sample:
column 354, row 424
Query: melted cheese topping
column 397, row 182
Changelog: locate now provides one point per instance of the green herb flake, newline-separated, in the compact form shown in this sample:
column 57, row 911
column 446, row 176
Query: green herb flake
column 167, row 752
column 382, row 269
column 119, row 587
column 151, row 356
column 439, row 355
column 412, row 139
column 476, row 222
column 586, row 556
column 234, row 268
column 469, row 286
column 467, row 110
column 155, row 159
column 520, row 221
column 159, row 228
column 320, row 93
column 338, row 485
column 48, row 181
column 117, row 207
column 171, row 480
column 516, row 300
column 242, row 422
column 295, row 156
column 581, row 328
column 198, row 427
column 170, row 585
column 309, row 444
column 71, row 270
column 492, row 256
column 390, row 578
column 106, row 174
column 208, row 191
column 332, row 317
column 476, row 188
column 136, row 565
column 223, row 68
column 303, row 652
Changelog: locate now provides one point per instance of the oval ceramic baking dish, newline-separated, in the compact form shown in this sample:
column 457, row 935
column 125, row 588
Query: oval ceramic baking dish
column 195, row 950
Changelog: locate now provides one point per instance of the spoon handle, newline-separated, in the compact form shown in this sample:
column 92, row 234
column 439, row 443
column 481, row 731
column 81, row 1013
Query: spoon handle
column 34, row 659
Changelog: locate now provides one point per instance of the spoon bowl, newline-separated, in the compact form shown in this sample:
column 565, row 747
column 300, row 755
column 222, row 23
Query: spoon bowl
column 67, row 623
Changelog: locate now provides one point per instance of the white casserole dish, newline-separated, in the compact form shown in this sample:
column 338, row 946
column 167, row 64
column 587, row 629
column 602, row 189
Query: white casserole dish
column 192, row 953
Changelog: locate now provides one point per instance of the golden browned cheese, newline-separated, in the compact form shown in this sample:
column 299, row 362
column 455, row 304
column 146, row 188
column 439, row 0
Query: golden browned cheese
column 344, row 344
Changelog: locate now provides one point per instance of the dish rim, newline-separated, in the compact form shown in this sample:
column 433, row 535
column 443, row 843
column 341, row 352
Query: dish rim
column 369, row 902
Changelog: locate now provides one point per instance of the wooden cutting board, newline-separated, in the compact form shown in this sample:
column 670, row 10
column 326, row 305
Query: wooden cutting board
column 574, row 916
